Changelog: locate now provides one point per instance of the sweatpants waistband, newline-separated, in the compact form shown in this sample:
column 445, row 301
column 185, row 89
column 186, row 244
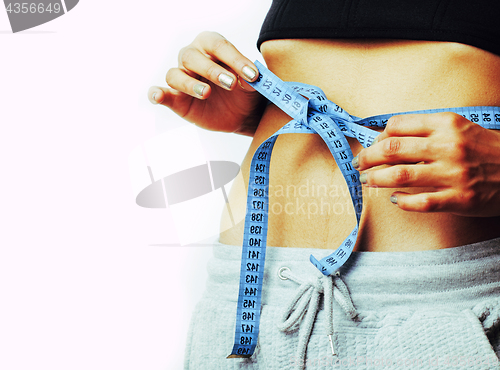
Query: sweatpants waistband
column 462, row 276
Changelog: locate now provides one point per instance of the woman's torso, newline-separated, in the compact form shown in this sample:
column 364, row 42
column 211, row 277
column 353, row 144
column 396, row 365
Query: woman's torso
column 309, row 203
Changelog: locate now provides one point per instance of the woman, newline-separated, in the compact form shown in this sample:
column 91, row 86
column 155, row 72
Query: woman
column 431, row 185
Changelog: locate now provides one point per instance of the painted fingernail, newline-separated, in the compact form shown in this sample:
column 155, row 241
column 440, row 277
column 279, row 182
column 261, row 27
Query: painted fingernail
column 249, row 73
column 198, row 89
column 394, row 199
column 153, row 99
column 362, row 178
column 355, row 162
column 226, row 80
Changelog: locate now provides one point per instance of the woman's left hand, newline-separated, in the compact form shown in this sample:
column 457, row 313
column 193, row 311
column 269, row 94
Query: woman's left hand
column 444, row 151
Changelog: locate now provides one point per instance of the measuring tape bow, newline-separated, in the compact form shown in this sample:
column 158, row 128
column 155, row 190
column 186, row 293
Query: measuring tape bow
column 312, row 113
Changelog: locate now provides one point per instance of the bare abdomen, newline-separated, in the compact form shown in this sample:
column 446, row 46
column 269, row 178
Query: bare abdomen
column 309, row 203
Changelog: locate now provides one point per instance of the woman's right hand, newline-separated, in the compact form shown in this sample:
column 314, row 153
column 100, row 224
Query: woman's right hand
column 205, row 90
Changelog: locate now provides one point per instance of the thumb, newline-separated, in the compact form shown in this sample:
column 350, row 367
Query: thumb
column 175, row 100
column 164, row 96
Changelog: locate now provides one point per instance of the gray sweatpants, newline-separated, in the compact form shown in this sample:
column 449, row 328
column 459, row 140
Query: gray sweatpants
column 435, row 309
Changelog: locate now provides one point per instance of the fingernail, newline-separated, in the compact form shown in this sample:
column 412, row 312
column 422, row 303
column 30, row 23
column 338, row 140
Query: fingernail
column 249, row 73
column 226, row 80
column 394, row 199
column 198, row 89
column 375, row 141
column 355, row 162
column 154, row 100
column 362, row 178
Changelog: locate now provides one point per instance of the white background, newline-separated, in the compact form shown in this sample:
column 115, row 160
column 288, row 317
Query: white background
column 82, row 285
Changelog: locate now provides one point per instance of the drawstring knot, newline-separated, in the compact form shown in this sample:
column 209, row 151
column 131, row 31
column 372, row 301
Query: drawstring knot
column 302, row 309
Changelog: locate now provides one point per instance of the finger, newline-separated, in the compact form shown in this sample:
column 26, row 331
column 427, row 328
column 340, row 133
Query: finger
column 216, row 46
column 395, row 150
column 244, row 85
column 181, row 81
column 440, row 201
column 193, row 61
column 416, row 124
column 416, row 175
column 413, row 124
column 177, row 101
column 162, row 95
column 154, row 95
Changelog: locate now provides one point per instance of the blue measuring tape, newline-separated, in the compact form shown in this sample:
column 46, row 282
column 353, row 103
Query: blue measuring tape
column 312, row 113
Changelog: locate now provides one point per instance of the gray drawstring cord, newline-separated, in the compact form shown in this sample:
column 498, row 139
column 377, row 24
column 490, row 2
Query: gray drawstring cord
column 303, row 307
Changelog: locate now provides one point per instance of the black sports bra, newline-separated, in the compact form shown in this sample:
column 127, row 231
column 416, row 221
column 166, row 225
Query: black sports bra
column 472, row 22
